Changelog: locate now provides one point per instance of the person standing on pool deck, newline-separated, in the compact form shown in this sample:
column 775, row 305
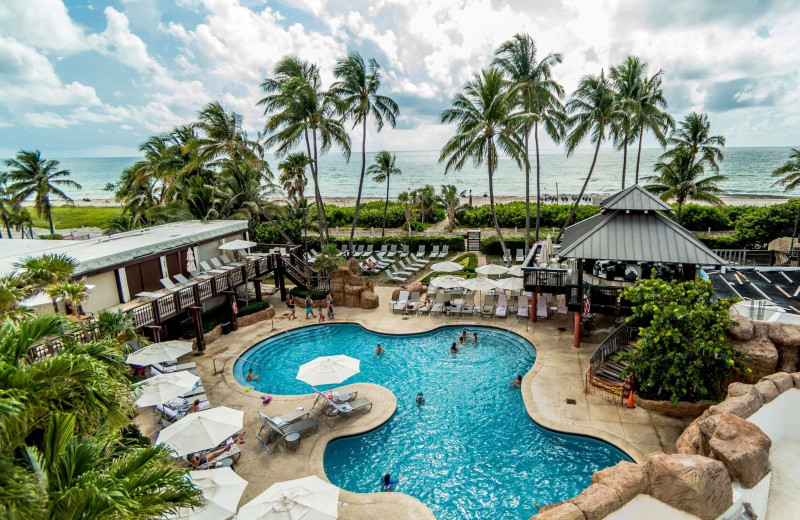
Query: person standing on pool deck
column 454, row 349
column 388, row 483
column 330, row 306
column 290, row 304
column 309, row 307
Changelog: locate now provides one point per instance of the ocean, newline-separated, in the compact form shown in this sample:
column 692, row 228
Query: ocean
column 748, row 171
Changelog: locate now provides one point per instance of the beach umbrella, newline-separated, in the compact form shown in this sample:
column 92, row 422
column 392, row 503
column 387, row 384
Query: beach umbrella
column 511, row 284
column 308, row 498
column 222, row 489
column 161, row 388
column 491, row 269
column 446, row 267
column 479, row 284
column 447, row 282
column 191, row 261
column 328, row 370
column 514, row 271
column 201, row 430
column 158, row 352
column 237, row 244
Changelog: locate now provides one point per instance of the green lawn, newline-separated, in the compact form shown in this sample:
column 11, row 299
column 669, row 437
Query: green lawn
column 68, row 217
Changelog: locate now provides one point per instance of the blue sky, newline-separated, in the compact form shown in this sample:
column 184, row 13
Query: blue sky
column 92, row 78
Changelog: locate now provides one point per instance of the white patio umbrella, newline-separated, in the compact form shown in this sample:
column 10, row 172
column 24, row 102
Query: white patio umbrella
column 446, row 282
column 191, row 261
column 328, row 370
column 515, row 271
column 446, row 267
column 308, row 498
column 161, row 388
column 237, row 244
column 222, row 488
column 479, row 284
column 547, row 251
column 158, row 352
column 491, row 269
column 201, row 430
column 511, row 284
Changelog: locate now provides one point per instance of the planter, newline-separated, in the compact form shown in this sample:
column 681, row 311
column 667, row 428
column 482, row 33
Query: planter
column 245, row 321
column 683, row 409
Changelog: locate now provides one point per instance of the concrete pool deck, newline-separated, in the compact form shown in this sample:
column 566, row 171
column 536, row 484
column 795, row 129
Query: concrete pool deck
column 557, row 375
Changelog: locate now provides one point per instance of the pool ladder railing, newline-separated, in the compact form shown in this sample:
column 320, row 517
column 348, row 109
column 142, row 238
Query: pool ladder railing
column 226, row 357
column 282, row 326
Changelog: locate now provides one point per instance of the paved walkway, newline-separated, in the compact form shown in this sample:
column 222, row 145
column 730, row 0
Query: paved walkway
column 557, row 375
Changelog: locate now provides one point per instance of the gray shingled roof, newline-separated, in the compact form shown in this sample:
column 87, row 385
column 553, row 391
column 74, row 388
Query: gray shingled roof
column 635, row 198
column 635, row 236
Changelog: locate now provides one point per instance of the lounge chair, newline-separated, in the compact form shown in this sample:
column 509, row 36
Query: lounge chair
column 404, row 253
column 381, row 265
column 277, row 432
column 468, row 308
column 438, row 303
column 164, row 368
column 334, row 410
column 522, row 306
column 349, row 391
column 343, row 251
column 392, row 251
column 384, row 251
column 419, row 262
column 368, row 251
column 397, row 276
column 359, row 250
column 424, row 309
column 168, row 285
column 402, row 302
column 562, row 305
column 435, row 252
column 520, row 256
column 541, row 306
column 488, row 306
column 501, row 310
column 413, row 302
column 421, row 250
column 219, row 265
column 407, row 267
column 314, row 253
column 181, row 279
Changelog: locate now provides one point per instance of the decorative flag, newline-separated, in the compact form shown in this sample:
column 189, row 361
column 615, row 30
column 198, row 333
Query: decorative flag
column 587, row 304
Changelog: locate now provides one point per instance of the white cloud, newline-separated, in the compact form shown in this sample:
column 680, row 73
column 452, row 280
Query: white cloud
column 45, row 120
column 45, row 24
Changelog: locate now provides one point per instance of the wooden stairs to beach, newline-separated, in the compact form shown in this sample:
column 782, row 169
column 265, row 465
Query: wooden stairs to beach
column 611, row 371
column 604, row 376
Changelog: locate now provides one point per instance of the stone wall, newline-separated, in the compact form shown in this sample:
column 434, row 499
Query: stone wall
column 350, row 290
column 245, row 321
column 770, row 347
column 719, row 447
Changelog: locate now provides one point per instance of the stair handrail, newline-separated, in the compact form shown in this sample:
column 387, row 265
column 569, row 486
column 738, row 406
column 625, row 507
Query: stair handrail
column 619, row 338
column 228, row 356
column 280, row 322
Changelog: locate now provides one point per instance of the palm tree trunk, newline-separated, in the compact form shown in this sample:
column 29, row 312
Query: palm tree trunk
column 47, row 210
column 794, row 234
column 385, row 206
column 624, row 160
column 527, row 194
column 323, row 219
column 585, row 184
column 317, row 197
column 538, row 181
column 639, row 156
column 506, row 258
column 360, row 182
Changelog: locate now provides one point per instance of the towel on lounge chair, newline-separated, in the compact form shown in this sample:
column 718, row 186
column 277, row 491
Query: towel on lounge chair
column 502, row 307
column 522, row 309
column 541, row 307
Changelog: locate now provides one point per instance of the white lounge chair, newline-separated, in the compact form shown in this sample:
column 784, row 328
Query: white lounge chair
column 445, row 251
column 404, row 253
column 488, row 306
column 501, row 310
column 402, row 302
column 541, row 306
column 359, row 251
column 468, row 307
column 520, row 256
column 335, row 410
column 397, row 276
column 435, row 252
column 421, row 250
column 276, row 432
column 392, row 251
column 522, row 306
column 419, row 262
column 438, row 304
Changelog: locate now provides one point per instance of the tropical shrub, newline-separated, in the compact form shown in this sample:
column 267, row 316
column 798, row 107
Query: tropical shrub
column 219, row 316
column 721, row 241
column 697, row 217
column 370, row 214
column 491, row 246
column 682, row 353
column 512, row 214
column 53, row 236
column 762, row 225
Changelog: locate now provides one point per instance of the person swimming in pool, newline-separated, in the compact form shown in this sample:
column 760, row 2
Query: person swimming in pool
column 461, row 339
column 464, row 335
column 379, row 350
column 250, row 376
column 474, row 337
column 388, row 483
column 517, row 381
column 454, row 349
column 420, row 399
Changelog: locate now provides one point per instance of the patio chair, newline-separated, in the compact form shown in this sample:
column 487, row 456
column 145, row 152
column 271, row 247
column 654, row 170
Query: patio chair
column 392, row 251
column 404, row 253
column 402, row 302
column 541, row 306
column 359, row 250
column 407, row 267
column 512, row 301
column 166, row 368
column 384, row 251
column 520, row 256
column 435, row 252
column 284, row 253
column 343, row 250
column 368, row 251
column 468, row 308
column 501, row 311
column 314, row 253
column 219, row 265
column 279, row 432
column 167, row 283
column 424, row 309
column 438, row 304
column 488, row 306
column 419, row 262
column 445, row 251
column 349, row 391
column 334, row 410
column 522, row 306
column 421, row 250
column 181, row 279
column 562, row 305
column 397, row 276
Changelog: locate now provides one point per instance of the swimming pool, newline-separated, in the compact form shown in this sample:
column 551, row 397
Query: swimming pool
column 471, row 451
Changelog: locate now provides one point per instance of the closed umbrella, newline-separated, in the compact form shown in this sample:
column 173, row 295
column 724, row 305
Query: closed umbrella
column 328, row 370
column 159, row 352
column 161, row 388
column 191, row 261
column 491, row 269
column 446, row 267
column 547, row 251
column 237, row 244
column 511, row 284
column 447, row 282
column 308, row 498
column 201, row 430
column 222, row 489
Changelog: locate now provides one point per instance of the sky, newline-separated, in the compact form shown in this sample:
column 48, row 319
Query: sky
column 87, row 78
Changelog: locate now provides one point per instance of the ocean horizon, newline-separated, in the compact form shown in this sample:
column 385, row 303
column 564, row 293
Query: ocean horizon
column 748, row 171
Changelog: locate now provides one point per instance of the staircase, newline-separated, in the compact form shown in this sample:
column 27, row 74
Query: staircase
column 295, row 268
column 604, row 377
column 611, row 371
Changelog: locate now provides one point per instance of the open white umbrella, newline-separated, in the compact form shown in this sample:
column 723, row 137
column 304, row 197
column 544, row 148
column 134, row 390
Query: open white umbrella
column 446, row 267
column 479, row 284
column 491, row 269
column 514, row 271
column 158, row 352
column 237, row 244
column 222, row 488
column 511, row 284
column 308, row 498
column 447, row 282
column 161, row 388
column 328, row 370
column 201, row 430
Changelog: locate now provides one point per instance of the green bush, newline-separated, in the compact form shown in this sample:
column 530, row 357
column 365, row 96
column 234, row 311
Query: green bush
column 219, row 316
column 512, row 214
column 491, row 245
column 759, row 226
column 697, row 217
column 54, row 236
column 721, row 241
column 370, row 214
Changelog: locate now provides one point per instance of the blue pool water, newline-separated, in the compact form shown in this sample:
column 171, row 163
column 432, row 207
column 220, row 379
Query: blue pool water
column 472, row 451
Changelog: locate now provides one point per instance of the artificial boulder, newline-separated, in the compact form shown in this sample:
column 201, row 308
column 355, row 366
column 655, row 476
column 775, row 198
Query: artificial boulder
column 412, row 287
column 788, row 358
column 626, row 478
column 743, row 405
column 743, row 447
column 767, row 390
column 561, row 511
column 796, row 379
column 783, row 334
column 353, row 265
column 761, row 358
column 597, row 501
column 744, row 330
column 350, row 290
column 782, row 380
column 691, row 483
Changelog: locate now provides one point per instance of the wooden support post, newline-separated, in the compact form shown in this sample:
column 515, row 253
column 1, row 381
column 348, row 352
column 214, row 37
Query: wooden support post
column 257, row 289
column 231, row 296
column 197, row 318
column 280, row 283
column 576, row 340
column 154, row 333
column 533, row 307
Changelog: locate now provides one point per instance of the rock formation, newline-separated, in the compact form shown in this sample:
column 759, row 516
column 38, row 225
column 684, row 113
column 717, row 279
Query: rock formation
column 350, row 290
column 742, row 447
column 412, row 287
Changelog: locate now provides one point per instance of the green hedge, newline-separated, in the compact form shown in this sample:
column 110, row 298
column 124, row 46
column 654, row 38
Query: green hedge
column 721, row 241
column 696, row 217
column 491, row 245
column 473, row 261
column 512, row 214
column 456, row 243
column 370, row 214
column 220, row 315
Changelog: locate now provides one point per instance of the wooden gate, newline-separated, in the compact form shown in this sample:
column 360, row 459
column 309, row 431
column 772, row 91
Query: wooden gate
column 474, row 240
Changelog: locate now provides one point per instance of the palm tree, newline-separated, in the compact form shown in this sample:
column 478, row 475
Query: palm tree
column 8, row 206
column 11, row 294
column 425, row 197
column 73, row 294
column 540, row 96
column 357, row 91
column 116, row 325
column 682, row 178
column 137, row 193
column 327, row 260
column 224, row 144
column 382, row 170
column 40, row 272
column 485, row 119
column 293, row 178
column 299, row 110
column 789, row 177
column 651, row 115
column 628, row 83
column 404, row 198
column 121, row 223
column 593, row 111
column 693, row 134
column 32, row 175
column 450, row 199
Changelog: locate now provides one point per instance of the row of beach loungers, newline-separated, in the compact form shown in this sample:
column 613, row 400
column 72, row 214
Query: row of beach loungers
column 391, row 251
column 493, row 306
column 214, row 266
